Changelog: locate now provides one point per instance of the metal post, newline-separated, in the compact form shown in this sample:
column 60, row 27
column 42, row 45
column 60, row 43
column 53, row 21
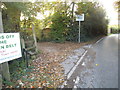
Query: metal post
column 25, row 56
column 79, row 33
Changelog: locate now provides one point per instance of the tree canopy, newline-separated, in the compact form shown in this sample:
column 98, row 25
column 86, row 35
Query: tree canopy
column 61, row 19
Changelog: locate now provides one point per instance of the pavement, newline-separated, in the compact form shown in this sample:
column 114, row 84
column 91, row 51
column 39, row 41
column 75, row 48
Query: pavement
column 83, row 71
column 69, row 63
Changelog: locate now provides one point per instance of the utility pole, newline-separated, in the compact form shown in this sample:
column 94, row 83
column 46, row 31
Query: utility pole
column 4, row 68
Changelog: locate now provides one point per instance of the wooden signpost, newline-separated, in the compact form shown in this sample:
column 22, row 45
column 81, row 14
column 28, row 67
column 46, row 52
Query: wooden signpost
column 34, row 37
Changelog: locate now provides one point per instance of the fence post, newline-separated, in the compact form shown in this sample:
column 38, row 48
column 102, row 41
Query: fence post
column 5, row 71
column 34, row 36
column 23, row 48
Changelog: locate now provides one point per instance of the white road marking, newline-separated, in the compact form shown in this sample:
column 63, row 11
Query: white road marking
column 73, row 69
column 99, row 40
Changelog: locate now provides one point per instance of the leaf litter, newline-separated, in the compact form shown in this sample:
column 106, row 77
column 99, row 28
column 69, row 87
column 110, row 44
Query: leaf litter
column 47, row 71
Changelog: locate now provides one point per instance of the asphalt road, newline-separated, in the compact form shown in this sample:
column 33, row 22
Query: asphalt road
column 99, row 67
column 106, row 62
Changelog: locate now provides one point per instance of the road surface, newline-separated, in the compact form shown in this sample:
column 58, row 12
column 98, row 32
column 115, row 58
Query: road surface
column 99, row 67
column 106, row 70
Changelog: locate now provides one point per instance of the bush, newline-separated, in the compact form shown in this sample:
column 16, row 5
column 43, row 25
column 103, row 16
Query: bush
column 59, row 27
column 115, row 30
column 95, row 23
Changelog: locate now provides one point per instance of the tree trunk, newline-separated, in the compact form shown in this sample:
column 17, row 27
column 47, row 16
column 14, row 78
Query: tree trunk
column 1, row 24
column 4, row 69
column 1, row 30
column 73, row 12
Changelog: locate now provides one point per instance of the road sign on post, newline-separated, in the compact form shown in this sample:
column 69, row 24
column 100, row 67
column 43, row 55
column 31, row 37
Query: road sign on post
column 79, row 18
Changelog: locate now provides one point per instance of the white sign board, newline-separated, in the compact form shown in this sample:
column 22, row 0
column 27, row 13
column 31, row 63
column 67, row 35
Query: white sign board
column 80, row 17
column 10, row 47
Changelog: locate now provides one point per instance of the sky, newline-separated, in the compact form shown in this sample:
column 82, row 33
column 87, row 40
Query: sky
column 110, row 10
column 108, row 5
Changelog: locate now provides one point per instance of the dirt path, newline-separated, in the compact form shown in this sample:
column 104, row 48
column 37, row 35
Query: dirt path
column 57, row 51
